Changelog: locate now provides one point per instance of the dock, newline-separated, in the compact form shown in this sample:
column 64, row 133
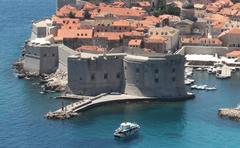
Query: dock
column 66, row 112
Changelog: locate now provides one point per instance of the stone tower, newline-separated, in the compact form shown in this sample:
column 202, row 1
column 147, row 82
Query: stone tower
column 187, row 11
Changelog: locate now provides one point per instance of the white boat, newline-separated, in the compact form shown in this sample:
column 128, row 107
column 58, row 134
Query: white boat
column 211, row 70
column 126, row 129
column 194, row 87
column 224, row 72
column 210, row 88
column 199, row 87
column 188, row 81
column 199, row 69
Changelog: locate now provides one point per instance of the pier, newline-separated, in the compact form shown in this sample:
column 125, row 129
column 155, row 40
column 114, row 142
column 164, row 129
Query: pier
column 66, row 112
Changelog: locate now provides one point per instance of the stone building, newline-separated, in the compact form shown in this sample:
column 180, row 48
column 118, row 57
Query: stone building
column 187, row 11
column 155, row 76
column 95, row 75
column 40, row 58
column 169, row 33
column 230, row 38
column 43, row 28
column 149, row 75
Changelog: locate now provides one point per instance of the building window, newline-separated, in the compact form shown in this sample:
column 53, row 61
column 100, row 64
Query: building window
column 156, row 71
column 156, row 80
column 118, row 75
column 173, row 70
column 45, row 55
column 78, row 34
column 173, row 79
column 137, row 70
column 53, row 54
column 81, row 34
column 92, row 77
column 80, row 78
column 85, row 34
column 105, row 76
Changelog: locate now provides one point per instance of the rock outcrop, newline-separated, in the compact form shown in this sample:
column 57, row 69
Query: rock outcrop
column 55, row 82
column 231, row 113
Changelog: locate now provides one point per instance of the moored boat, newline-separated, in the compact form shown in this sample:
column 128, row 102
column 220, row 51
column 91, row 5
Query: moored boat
column 126, row 129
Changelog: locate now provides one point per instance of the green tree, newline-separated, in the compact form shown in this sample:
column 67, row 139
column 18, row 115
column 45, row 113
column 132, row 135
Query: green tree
column 71, row 15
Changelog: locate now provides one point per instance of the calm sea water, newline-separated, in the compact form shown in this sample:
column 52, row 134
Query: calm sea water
column 183, row 124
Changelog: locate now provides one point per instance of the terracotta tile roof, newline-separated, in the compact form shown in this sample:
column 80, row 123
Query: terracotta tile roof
column 218, row 25
column 74, row 33
column 66, row 23
column 65, row 10
column 201, row 40
column 89, row 6
column 217, row 17
column 135, row 42
column 121, row 11
column 118, row 4
column 121, row 23
column 91, row 48
column 234, row 53
column 155, row 39
column 234, row 31
column 109, row 35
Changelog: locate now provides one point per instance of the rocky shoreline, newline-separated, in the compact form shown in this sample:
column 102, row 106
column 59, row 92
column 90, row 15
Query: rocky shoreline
column 55, row 82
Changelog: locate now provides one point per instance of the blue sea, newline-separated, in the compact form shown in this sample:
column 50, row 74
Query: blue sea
column 188, row 124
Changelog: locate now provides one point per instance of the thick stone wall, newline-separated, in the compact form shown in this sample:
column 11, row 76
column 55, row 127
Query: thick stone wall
column 40, row 59
column 93, row 76
column 64, row 53
column 161, row 77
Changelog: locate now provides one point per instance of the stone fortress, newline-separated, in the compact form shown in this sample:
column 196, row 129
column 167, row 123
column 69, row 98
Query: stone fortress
column 130, row 71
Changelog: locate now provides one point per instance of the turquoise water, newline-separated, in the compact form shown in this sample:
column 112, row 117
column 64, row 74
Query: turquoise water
column 187, row 124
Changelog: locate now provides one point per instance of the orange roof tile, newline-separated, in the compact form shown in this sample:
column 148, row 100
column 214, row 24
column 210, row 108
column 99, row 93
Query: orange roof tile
column 156, row 38
column 121, row 23
column 234, row 53
column 75, row 33
column 89, row 6
column 135, row 42
column 109, row 35
column 121, row 11
column 90, row 48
